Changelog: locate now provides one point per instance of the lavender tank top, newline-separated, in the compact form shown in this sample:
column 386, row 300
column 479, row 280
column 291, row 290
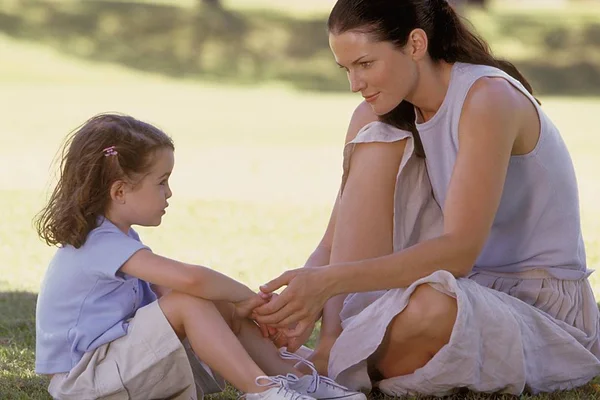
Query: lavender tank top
column 537, row 224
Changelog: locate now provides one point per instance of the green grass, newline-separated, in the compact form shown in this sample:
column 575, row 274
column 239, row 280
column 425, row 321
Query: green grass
column 256, row 172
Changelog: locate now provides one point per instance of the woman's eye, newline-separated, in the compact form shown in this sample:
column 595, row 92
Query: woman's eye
column 366, row 64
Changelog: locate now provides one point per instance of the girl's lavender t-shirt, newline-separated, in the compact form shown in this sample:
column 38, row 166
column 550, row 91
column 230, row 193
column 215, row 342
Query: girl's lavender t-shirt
column 84, row 300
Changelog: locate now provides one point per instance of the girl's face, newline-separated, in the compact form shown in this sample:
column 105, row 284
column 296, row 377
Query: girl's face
column 146, row 202
column 383, row 74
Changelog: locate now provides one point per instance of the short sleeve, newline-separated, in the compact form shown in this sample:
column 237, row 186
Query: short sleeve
column 107, row 249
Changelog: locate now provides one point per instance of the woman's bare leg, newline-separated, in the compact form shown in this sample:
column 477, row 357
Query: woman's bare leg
column 363, row 226
column 364, row 230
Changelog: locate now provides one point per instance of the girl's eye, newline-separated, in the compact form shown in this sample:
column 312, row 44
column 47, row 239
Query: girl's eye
column 366, row 64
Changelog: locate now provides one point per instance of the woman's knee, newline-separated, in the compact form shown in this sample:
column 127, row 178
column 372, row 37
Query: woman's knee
column 417, row 333
column 429, row 313
column 375, row 163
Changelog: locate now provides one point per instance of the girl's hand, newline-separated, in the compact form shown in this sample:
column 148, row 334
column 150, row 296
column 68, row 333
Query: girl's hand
column 300, row 303
column 244, row 308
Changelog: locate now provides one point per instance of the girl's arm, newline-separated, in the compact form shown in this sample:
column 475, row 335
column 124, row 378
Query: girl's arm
column 194, row 280
column 160, row 291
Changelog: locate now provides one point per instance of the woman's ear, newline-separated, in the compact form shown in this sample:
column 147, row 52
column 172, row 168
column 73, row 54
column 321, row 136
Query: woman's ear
column 117, row 191
column 418, row 44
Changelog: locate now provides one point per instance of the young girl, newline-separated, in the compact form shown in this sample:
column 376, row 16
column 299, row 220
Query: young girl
column 111, row 314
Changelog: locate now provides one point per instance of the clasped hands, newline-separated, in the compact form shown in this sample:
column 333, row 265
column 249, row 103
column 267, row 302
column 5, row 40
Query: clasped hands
column 288, row 319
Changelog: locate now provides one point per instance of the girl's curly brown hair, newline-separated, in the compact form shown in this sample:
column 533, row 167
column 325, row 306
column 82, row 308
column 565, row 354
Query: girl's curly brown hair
column 87, row 172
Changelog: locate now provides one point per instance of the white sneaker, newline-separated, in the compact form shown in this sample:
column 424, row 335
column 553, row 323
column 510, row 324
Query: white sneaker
column 318, row 386
column 280, row 390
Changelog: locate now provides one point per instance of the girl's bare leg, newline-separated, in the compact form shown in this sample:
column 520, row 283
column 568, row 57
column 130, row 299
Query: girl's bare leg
column 208, row 327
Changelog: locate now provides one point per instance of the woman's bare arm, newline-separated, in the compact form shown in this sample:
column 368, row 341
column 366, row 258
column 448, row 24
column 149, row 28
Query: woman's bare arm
column 492, row 118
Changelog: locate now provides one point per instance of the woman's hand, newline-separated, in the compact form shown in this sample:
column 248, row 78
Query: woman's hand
column 244, row 308
column 278, row 336
column 300, row 303
column 292, row 344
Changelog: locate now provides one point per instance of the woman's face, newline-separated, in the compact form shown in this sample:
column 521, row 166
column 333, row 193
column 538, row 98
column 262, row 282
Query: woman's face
column 383, row 74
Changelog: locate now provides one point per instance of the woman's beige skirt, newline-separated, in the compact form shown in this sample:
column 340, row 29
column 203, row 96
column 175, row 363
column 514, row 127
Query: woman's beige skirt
column 513, row 333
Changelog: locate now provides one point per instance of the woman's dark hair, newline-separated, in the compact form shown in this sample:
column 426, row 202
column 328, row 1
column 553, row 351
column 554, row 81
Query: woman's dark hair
column 450, row 40
column 106, row 148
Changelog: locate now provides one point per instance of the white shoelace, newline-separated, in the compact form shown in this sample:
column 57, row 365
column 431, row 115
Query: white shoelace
column 279, row 381
column 317, row 379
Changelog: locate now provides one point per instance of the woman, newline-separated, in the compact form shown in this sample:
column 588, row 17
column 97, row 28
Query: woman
column 492, row 294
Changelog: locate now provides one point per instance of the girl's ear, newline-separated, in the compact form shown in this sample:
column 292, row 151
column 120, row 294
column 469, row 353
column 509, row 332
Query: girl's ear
column 117, row 191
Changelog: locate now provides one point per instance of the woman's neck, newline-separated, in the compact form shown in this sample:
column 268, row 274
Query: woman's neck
column 431, row 89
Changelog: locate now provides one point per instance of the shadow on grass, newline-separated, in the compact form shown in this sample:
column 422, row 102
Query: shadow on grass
column 17, row 348
column 213, row 43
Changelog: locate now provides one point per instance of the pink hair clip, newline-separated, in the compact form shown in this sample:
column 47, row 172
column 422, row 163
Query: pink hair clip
column 110, row 151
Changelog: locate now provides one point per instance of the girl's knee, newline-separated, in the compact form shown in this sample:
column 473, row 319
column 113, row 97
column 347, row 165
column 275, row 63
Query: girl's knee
column 170, row 306
column 179, row 302
column 227, row 311
column 177, row 306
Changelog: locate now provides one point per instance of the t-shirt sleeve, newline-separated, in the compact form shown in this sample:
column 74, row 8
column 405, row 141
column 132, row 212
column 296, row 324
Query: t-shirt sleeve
column 108, row 249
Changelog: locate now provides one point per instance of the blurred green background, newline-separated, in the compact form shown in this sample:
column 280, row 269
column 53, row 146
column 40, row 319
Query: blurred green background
column 258, row 110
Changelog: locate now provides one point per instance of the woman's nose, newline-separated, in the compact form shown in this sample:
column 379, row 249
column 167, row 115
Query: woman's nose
column 356, row 84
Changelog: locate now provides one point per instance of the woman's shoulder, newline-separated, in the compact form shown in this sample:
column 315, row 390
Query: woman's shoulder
column 363, row 115
column 488, row 84
column 494, row 95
